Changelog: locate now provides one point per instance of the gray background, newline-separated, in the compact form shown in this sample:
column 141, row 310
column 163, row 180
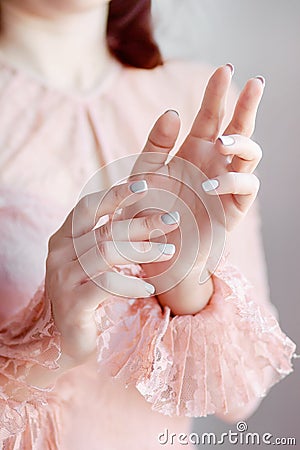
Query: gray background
column 258, row 37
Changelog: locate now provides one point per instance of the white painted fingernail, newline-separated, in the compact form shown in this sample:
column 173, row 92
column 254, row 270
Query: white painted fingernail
column 172, row 111
column 210, row 185
column 138, row 186
column 167, row 249
column 261, row 78
column 170, row 218
column 149, row 288
column 231, row 67
column 227, row 140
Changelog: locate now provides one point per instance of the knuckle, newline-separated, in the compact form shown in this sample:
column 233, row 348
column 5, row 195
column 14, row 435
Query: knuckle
column 143, row 247
column 239, row 128
column 103, row 250
column 59, row 249
column 59, row 277
column 146, row 247
column 209, row 115
column 103, row 233
column 116, row 196
column 159, row 137
column 245, row 103
column 52, row 242
column 52, row 259
column 82, row 206
column 147, row 223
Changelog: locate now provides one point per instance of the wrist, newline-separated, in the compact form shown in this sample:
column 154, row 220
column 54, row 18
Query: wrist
column 44, row 378
column 189, row 296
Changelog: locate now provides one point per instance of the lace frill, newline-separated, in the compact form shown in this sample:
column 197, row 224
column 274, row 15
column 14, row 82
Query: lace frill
column 223, row 357
column 29, row 340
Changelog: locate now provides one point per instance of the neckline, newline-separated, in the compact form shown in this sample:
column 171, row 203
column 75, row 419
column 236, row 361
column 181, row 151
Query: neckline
column 77, row 96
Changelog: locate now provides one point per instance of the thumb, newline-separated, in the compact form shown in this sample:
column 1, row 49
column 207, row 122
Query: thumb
column 160, row 142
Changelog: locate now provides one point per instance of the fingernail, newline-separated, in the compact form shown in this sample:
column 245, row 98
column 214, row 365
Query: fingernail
column 138, row 186
column 261, row 78
column 227, row 140
column 210, row 185
column 231, row 67
column 170, row 218
column 149, row 288
column 173, row 111
column 167, row 249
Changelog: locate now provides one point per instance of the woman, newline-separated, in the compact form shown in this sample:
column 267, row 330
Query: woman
column 69, row 107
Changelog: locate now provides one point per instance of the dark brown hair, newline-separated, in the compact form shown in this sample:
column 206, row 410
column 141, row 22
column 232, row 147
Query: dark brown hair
column 129, row 34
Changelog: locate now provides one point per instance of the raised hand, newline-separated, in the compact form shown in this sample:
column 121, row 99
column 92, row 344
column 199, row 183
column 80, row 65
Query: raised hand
column 210, row 164
column 230, row 161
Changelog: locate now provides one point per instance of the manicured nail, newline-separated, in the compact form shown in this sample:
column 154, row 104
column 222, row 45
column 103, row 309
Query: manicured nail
column 261, row 78
column 167, row 249
column 227, row 140
column 170, row 218
column 231, row 67
column 210, row 185
column 138, row 187
column 173, row 111
column 149, row 288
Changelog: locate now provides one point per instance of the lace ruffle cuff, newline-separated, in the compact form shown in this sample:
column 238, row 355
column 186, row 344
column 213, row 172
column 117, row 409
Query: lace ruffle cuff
column 221, row 358
column 29, row 340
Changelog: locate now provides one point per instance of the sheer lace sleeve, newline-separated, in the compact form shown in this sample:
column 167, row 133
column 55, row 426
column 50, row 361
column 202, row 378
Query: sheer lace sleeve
column 194, row 365
column 28, row 415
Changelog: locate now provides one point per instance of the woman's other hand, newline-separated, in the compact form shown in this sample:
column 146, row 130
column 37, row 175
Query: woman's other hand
column 211, row 163
column 79, row 268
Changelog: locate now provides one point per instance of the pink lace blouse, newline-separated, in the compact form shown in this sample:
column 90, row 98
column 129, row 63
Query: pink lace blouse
column 153, row 371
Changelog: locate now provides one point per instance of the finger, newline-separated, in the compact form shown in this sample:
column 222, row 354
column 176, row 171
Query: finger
column 209, row 119
column 245, row 153
column 108, row 254
column 161, row 141
column 90, row 208
column 243, row 186
column 137, row 229
column 244, row 116
column 109, row 283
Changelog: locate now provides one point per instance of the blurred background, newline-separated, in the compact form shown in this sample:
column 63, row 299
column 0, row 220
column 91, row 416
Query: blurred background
column 260, row 37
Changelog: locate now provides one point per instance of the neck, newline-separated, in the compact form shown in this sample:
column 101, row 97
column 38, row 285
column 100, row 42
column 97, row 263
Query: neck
column 68, row 51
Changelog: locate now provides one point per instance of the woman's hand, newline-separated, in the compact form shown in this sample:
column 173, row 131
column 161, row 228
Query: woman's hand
column 210, row 164
column 79, row 273
column 228, row 160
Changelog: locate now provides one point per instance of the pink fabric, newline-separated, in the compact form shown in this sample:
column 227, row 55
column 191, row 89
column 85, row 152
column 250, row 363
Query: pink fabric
column 51, row 142
column 30, row 338
column 194, row 365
